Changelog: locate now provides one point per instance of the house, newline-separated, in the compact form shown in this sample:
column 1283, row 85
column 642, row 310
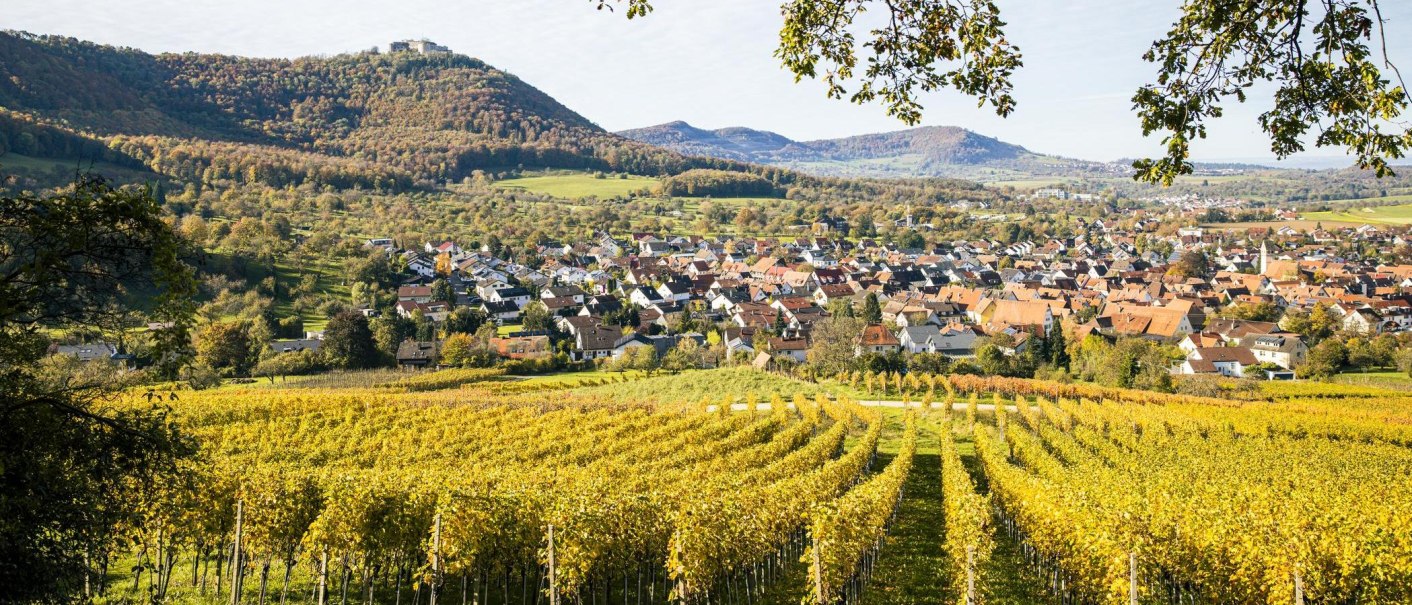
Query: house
column 630, row 341
column 420, row 294
column 383, row 243
column 738, row 339
column 1284, row 350
column 595, row 342
column 877, row 339
column 516, row 295
column 87, row 352
column 448, row 248
column 831, row 292
column 1157, row 323
column 796, row 349
column 1226, row 361
column 919, row 339
column 417, row 354
column 674, row 292
column 572, row 293
column 1235, row 330
column 1036, row 315
column 644, row 296
column 957, row 341
column 1198, row 340
column 562, row 306
column 295, row 345
column 601, row 305
column 501, row 312
column 435, row 311
column 1362, row 321
column 654, row 248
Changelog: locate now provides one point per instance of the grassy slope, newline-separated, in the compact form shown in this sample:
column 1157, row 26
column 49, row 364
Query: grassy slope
column 1388, row 380
column 1390, row 215
column 578, row 185
column 330, row 276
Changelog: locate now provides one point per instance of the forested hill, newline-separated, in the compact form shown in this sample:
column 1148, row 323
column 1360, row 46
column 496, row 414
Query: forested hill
column 373, row 120
column 917, row 152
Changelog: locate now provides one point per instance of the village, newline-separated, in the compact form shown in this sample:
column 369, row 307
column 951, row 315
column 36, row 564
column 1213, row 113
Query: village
column 761, row 300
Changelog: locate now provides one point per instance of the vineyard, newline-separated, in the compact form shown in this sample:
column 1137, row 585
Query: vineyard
column 734, row 487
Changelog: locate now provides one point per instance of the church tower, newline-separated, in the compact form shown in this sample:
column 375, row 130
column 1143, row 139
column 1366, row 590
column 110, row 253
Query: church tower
column 1264, row 258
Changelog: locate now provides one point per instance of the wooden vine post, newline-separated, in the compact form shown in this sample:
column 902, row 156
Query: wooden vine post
column 435, row 560
column 553, row 576
column 1132, row 578
column 1298, row 589
column 970, row 574
column 235, row 566
column 323, row 577
column 818, row 576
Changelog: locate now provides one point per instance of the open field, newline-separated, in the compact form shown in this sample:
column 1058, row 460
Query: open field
column 1298, row 225
column 1387, row 215
column 1388, row 380
column 579, row 185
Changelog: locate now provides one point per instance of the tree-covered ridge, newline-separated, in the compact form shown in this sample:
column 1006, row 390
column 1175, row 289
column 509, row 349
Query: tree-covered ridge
column 928, row 151
column 432, row 117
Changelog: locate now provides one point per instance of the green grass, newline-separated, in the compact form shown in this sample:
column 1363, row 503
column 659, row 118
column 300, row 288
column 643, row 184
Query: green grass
column 1388, row 379
column 330, row 282
column 579, row 185
column 912, row 565
column 692, row 385
column 1380, row 215
column 1006, row 578
column 568, row 380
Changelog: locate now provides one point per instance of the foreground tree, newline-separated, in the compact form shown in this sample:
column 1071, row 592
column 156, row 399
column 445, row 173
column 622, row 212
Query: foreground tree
column 224, row 346
column 72, row 465
column 348, row 342
column 1327, row 61
column 833, row 346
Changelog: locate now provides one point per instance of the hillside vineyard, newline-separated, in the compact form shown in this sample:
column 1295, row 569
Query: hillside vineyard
column 376, row 494
column 668, row 503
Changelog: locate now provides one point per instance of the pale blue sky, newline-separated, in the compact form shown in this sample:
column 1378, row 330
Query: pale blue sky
column 708, row 62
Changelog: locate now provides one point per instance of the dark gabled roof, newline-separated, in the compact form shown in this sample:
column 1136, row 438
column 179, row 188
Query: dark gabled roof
column 496, row 308
column 414, row 350
column 563, row 291
column 88, row 352
column 599, row 338
column 297, row 344
column 603, row 304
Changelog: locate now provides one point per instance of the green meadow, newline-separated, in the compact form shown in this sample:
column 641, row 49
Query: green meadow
column 577, row 185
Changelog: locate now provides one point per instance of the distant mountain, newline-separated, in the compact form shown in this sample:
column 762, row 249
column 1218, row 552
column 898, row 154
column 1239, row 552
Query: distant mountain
column 391, row 120
column 929, row 151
